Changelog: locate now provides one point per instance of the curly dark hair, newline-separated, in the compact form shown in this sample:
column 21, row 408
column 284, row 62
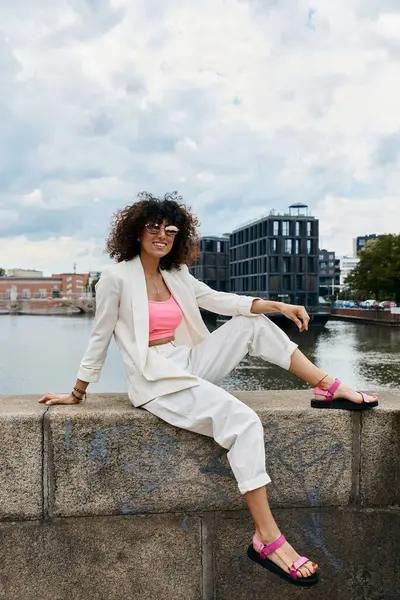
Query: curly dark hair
column 128, row 223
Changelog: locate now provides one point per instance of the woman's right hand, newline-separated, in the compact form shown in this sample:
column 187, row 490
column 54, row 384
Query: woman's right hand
column 52, row 398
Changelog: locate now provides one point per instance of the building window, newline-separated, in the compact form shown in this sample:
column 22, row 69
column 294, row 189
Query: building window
column 285, row 227
column 274, row 265
column 309, row 247
column 288, row 246
column 43, row 293
column 26, row 293
column 331, row 264
column 276, row 228
column 208, row 246
column 274, row 245
column 297, row 228
column 286, row 283
column 286, row 264
column 218, row 246
column 331, row 257
column 321, row 257
column 309, row 228
column 297, row 246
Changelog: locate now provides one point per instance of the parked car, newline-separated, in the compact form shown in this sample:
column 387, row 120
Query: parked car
column 387, row 304
column 369, row 304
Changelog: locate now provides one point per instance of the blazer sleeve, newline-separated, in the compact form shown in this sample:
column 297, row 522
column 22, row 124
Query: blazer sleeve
column 108, row 294
column 222, row 303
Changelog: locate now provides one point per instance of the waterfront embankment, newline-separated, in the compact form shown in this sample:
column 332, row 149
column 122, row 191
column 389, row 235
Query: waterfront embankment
column 376, row 317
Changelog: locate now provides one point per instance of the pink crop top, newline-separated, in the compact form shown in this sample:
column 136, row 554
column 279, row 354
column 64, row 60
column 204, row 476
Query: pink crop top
column 164, row 318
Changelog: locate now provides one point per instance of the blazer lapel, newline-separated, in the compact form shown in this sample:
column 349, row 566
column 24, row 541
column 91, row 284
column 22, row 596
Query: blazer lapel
column 194, row 326
column 140, row 308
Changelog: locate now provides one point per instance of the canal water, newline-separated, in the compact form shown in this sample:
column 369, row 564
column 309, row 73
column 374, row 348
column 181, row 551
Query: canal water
column 42, row 353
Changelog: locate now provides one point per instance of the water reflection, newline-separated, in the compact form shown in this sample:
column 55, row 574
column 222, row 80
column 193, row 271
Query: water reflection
column 39, row 354
column 365, row 356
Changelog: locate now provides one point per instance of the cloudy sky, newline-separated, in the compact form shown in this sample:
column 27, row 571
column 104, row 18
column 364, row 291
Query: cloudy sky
column 240, row 105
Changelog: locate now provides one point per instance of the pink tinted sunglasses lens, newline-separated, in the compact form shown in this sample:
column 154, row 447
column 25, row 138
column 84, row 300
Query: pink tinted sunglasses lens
column 155, row 228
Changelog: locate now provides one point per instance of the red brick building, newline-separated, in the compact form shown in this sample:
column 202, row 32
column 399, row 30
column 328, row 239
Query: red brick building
column 62, row 285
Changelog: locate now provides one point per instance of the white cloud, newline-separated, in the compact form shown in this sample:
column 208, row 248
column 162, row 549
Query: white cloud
column 342, row 219
column 242, row 106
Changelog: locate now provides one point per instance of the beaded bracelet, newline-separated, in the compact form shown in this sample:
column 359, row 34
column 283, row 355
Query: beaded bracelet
column 80, row 391
column 77, row 397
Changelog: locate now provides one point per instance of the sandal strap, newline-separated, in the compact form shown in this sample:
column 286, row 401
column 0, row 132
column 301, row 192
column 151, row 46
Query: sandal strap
column 328, row 394
column 266, row 550
column 365, row 397
column 296, row 566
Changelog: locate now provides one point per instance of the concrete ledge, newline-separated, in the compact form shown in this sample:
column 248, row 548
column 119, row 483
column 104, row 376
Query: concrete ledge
column 109, row 458
column 115, row 558
column 380, row 456
column 21, row 458
column 160, row 513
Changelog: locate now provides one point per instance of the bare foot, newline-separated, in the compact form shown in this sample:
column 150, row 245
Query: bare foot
column 285, row 556
column 343, row 391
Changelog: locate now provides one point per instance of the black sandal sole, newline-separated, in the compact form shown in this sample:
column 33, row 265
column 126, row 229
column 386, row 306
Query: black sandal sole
column 342, row 404
column 273, row 568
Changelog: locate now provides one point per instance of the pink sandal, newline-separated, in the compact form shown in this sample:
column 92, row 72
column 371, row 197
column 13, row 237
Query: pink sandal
column 340, row 403
column 263, row 560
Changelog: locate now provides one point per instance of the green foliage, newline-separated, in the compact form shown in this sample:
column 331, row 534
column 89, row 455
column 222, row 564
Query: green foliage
column 377, row 275
column 2, row 272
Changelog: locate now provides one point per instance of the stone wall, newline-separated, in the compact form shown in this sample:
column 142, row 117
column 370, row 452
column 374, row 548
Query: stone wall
column 102, row 501
column 382, row 317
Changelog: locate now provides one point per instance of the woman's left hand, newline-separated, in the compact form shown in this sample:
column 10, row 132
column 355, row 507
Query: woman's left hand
column 297, row 314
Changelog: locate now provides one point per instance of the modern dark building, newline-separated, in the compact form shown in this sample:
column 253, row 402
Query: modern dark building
column 276, row 257
column 212, row 266
column 360, row 241
column 329, row 273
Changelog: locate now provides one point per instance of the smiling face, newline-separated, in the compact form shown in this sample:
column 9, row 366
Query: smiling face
column 158, row 238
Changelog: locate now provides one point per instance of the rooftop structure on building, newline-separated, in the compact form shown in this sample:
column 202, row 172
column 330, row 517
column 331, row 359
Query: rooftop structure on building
column 276, row 256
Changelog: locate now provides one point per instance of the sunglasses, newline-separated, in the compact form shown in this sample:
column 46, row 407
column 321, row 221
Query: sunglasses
column 154, row 228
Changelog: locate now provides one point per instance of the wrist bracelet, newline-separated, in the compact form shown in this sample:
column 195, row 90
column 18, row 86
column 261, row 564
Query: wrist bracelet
column 83, row 392
column 77, row 397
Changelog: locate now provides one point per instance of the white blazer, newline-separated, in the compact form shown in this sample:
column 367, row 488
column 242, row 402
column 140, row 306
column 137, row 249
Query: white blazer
column 122, row 309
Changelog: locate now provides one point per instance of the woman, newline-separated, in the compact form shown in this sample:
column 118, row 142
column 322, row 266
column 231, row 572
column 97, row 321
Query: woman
column 150, row 302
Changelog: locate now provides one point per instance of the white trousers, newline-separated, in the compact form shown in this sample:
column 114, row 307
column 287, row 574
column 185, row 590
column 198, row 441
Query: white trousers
column 210, row 410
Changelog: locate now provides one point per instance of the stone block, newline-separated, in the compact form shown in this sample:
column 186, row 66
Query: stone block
column 309, row 453
column 21, row 455
column 358, row 554
column 380, row 454
column 106, row 457
column 106, row 558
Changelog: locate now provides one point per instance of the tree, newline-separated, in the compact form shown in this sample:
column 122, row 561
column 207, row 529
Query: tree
column 2, row 272
column 378, row 272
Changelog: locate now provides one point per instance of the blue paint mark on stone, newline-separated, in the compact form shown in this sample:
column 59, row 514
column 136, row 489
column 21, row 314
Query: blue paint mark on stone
column 185, row 524
column 127, row 509
column 68, row 444
column 130, row 467
column 98, row 446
